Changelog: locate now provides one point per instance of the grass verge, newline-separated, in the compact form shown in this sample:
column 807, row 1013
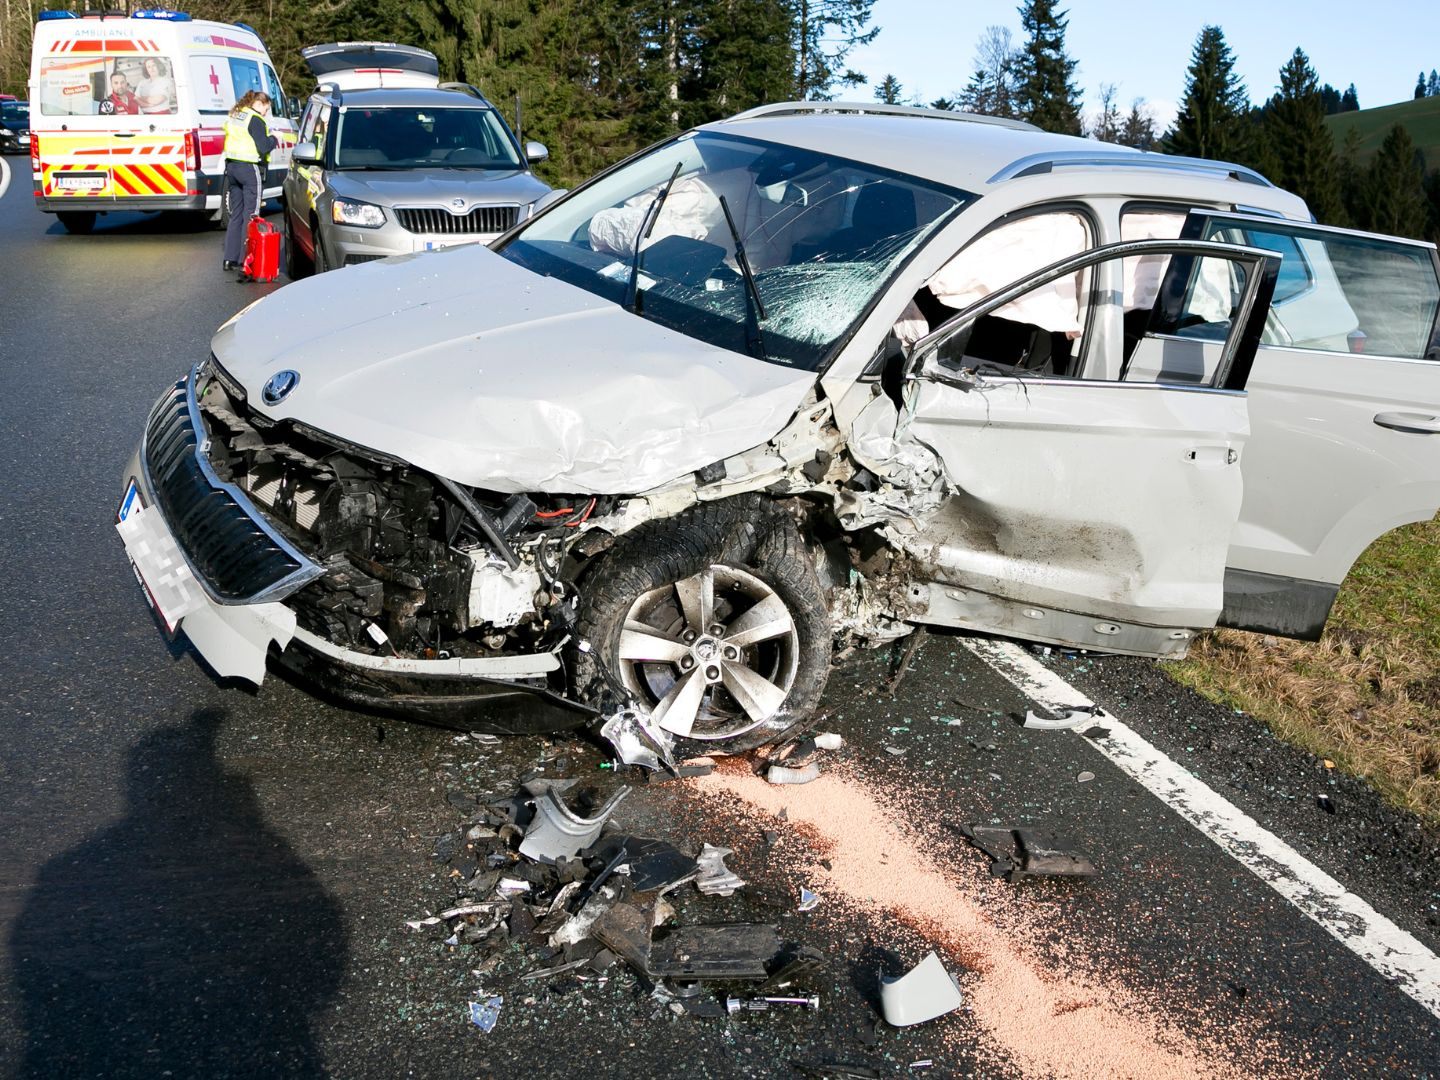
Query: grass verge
column 1367, row 694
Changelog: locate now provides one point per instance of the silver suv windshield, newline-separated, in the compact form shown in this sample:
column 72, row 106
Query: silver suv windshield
column 751, row 246
column 420, row 138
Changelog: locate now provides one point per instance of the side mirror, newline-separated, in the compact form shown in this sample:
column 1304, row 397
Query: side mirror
column 536, row 152
column 305, row 153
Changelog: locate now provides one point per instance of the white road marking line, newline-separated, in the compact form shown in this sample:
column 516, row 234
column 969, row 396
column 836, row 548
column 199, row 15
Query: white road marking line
column 1391, row 951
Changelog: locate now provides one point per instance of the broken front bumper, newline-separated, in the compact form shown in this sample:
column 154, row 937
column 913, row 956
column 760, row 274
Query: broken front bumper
column 214, row 567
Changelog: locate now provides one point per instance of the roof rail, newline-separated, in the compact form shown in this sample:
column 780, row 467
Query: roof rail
column 1048, row 161
column 467, row 88
column 865, row 108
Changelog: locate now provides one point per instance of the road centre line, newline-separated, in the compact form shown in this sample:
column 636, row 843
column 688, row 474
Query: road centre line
column 1391, row 951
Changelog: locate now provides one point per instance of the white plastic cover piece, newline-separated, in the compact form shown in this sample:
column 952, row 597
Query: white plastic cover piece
column 925, row 992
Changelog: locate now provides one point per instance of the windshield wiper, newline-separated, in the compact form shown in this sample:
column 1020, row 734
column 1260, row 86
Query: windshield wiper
column 631, row 300
column 754, row 312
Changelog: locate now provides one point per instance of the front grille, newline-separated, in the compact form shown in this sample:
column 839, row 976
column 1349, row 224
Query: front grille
column 237, row 557
column 438, row 220
column 352, row 260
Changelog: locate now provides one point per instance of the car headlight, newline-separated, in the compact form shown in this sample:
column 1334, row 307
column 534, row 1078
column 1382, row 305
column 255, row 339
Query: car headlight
column 350, row 212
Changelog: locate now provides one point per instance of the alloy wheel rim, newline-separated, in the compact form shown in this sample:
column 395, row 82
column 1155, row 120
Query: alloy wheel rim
column 713, row 655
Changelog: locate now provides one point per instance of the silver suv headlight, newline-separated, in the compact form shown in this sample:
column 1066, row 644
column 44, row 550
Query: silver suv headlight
column 351, row 212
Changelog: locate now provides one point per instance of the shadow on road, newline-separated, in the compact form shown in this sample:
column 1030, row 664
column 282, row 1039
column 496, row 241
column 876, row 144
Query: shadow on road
column 186, row 939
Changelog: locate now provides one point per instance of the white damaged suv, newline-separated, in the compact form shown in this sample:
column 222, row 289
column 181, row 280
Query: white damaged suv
column 815, row 373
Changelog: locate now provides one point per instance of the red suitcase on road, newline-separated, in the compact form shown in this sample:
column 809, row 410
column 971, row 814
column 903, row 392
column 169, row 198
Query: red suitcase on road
column 262, row 251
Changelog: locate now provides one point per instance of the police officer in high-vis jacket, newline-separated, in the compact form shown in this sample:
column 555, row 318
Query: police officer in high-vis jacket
column 248, row 143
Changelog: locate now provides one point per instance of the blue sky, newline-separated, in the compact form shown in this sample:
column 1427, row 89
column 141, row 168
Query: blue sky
column 1379, row 45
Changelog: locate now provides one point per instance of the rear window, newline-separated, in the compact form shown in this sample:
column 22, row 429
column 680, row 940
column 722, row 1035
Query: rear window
column 107, row 86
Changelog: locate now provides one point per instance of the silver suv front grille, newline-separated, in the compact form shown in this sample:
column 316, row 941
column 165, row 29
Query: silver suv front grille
column 436, row 220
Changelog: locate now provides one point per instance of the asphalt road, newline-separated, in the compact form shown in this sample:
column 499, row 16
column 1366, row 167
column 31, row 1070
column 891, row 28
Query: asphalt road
column 198, row 880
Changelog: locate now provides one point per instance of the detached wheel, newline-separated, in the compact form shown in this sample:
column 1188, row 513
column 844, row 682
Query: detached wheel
column 714, row 621
column 79, row 222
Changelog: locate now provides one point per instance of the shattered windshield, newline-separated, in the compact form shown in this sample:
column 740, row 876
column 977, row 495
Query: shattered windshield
column 754, row 247
column 412, row 138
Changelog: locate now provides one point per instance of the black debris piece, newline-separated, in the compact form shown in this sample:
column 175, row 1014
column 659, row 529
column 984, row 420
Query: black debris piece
column 803, row 965
column 1325, row 803
column 447, row 846
column 1018, row 852
column 654, row 864
column 625, row 931
column 720, row 951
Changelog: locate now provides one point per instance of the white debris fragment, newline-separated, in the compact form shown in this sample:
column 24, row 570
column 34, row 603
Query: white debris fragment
column 1072, row 718
column 716, row 879
column 420, row 924
column 509, row 886
column 485, row 1014
column 809, row 901
column 1085, row 778
column 782, row 774
column 828, row 740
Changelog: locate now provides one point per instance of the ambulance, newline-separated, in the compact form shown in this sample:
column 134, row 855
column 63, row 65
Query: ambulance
column 128, row 112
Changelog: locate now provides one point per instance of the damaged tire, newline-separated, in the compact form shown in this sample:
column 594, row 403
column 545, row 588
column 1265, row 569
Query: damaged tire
column 714, row 621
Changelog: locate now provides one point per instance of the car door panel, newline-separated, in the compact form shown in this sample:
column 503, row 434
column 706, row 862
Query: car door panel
column 1097, row 513
column 1343, row 395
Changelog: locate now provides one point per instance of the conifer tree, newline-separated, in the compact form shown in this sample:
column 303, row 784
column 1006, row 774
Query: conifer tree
column 1211, row 122
column 1139, row 127
column 1420, row 86
column 824, row 32
column 889, row 91
column 1350, row 100
column 1432, row 84
column 1394, row 196
column 1048, row 97
column 1304, row 151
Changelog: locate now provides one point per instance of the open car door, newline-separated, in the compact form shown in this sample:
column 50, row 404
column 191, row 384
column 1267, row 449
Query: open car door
column 1093, row 513
column 1344, row 413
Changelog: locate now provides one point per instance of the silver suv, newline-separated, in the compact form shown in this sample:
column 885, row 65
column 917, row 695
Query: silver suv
column 395, row 170
column 817, row 373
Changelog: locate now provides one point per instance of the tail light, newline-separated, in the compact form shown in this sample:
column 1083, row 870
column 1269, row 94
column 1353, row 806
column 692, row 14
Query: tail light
column 192, row 151
column 35, row 153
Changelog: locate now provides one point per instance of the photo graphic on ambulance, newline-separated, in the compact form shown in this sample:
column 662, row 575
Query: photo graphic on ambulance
column 101, row 86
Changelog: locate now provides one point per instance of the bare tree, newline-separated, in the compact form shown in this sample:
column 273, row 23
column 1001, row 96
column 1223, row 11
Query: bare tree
column 1106, row 126
column 992, row 87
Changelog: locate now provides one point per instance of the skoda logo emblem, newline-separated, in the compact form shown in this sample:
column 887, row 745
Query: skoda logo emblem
column 458, row 203
column 279, row 386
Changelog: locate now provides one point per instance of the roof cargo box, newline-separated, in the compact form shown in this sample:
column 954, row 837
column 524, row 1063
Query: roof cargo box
column 363, row 65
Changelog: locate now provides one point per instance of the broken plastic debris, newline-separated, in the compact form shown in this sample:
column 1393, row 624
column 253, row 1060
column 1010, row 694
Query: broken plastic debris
column 1070, row 718
column 716, row 879
column 509, row 886
column 808, row 900
column 781, row 774
column 1085, row 777
column 419, row 924
column 895, row 750
column 637, row 741
column 828, row 740
column 735, row 1005
column 1325, row 803
column 925, row 992
column 654, row 864
column 723, row 951
column 558, row 832
column 485, row 1014
column 1028, row 853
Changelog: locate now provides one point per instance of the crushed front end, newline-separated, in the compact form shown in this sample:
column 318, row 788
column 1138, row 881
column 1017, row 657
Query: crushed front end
column 374, row 582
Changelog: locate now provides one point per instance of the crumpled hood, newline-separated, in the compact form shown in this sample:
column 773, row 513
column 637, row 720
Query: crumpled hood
column 437, row 187
column 474, row 368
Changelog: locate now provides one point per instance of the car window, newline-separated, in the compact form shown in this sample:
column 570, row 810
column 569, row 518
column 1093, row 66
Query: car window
column 423, row 138
column 1364, row 294
column 821, row 236
column 1000, row 257
column 280, row 106
column 106, row 86
column 1185, row 342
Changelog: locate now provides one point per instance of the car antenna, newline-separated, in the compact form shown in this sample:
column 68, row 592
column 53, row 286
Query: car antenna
column 631, row 301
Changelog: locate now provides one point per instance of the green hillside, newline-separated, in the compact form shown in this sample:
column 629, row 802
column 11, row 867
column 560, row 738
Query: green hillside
column 1420, row 117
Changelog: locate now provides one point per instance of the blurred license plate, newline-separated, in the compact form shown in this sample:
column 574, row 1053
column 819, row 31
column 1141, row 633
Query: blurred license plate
column 81, row 181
